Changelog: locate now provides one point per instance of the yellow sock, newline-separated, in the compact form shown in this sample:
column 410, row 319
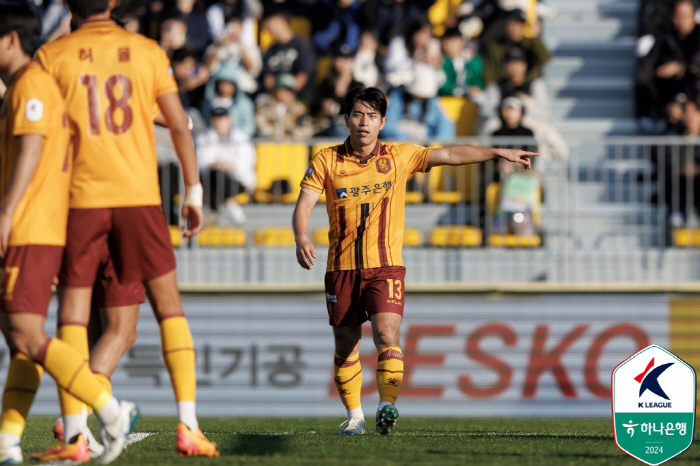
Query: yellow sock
column 75, row 336
column 104, row 381
column 72, row 373
column 389, row 373
column 178, row 353
column 348, row 380
column 23, row 379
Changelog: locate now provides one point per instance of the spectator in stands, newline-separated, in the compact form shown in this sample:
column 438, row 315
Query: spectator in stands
column 56, row 21
column 655, row 17
column 190, row 77
column 463, row 67
column 514, row 121
column 414, row 114
column 337, row 26
column 675, row 110
column 494, row 53
column 230, row 50
column 533, row 93
column 331, row 102
column 226, row 157
column 678, row 167
column 405, row 52
column 487, row 19
column 280, row 115
column 290, row 54
column 168, row 174
column 223, row 91
column 173, row 33
column 249, row 11
column 197, row 27
column 661, row 74
column 365, row 69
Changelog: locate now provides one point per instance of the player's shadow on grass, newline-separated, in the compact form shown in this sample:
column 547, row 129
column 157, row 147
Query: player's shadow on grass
column 255, row 444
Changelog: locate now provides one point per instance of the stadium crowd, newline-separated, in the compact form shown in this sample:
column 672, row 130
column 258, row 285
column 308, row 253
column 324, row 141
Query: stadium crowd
column 279, row 70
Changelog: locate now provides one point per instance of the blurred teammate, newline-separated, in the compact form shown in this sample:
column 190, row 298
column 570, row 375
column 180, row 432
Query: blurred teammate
column 35, row 174
column 365, row 185
column 112, row 80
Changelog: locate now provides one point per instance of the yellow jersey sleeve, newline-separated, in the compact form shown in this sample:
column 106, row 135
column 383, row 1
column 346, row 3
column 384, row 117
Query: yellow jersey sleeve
column 315, row 176
column 415, row 157
column 165, row 82
column 30, row 104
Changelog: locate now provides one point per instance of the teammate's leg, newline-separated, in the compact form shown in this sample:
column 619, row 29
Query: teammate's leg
column 25, row 332
column 178, row 352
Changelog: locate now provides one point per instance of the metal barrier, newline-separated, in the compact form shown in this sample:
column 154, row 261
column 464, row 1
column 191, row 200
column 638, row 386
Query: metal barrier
column 616, row 210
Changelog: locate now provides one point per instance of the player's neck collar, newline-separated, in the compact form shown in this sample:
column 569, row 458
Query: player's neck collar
column 97, row 22
column 353, row 153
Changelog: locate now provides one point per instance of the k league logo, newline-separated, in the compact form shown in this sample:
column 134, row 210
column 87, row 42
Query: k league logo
column 653, row 404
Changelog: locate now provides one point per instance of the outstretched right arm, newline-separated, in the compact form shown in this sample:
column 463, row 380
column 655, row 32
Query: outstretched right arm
column 300, row 222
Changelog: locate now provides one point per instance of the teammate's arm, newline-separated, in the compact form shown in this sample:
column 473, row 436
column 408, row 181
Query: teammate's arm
column 30, row 146
column 462, row 155
column 177, row 121
column 300, row 222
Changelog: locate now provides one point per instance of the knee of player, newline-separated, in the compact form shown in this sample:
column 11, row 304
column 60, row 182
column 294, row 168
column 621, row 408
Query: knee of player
column 384, row 337
column 31, row 344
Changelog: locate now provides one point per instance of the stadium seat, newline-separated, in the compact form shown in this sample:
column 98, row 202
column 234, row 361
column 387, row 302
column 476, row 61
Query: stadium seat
column 324, row 66
column 440, row 12
column 415, row 188
column 274, row 236
column 412, row 237
column 221, row 237
column 686, row 238
column 280, row 167
column 456, row 236
column 300, row 25
column 509, row 240
column 320, row 237
column 451, row 185
column 175, row 236
column 463, row 112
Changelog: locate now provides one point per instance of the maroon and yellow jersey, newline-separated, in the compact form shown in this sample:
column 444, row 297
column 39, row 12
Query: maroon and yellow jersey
column 366, row 201
column 33, row 105
column 110, row 79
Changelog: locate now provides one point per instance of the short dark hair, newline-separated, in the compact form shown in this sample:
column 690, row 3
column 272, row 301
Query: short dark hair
column 373, row 97
column 87, row 8
column 24, row 20
column 182, row 54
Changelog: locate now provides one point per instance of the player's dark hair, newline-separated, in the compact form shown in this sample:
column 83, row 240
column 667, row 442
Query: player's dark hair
column 373, row 97
column 24, row 20
column 87, row 8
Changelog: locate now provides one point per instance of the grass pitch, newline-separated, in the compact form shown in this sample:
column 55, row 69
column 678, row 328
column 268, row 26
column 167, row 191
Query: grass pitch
column 416, row 441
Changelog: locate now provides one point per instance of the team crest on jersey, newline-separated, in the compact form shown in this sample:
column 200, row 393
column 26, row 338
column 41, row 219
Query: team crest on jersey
column 383, row 165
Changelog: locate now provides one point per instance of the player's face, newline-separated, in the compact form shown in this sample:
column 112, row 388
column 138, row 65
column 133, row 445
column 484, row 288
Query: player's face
column 364, row 123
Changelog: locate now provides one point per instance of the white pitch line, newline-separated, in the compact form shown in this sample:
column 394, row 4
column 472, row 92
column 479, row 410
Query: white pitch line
column 137, row 437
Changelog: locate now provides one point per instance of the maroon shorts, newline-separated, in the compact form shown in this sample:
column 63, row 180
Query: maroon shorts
column 354, row 296
column 137, row 238
column 28, row 273
column 108, row 291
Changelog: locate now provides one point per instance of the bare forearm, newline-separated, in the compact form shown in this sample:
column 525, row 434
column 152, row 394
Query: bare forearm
column 462, row 155
column 21, row 177
column 300, row 222
column 184, row 147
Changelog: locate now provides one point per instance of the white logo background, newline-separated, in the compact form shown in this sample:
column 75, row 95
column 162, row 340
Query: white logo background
column 676, row 382
column 34, row 110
